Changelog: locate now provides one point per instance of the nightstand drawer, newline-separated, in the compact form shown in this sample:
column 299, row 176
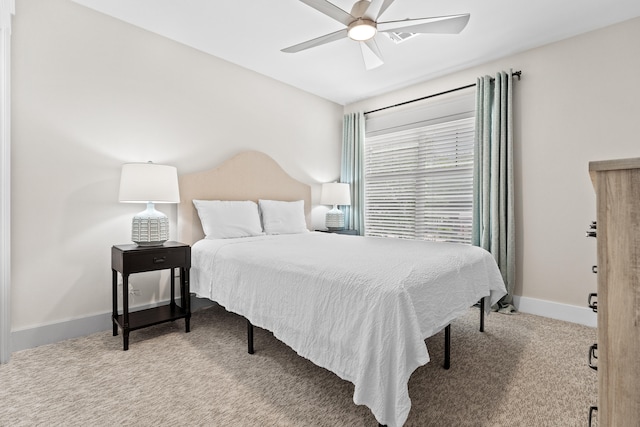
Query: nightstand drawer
column 135, row 263
column 131, row 259
column 349, row 232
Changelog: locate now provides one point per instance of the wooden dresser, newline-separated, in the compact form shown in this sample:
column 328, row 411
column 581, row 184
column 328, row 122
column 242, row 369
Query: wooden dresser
column 617, row 187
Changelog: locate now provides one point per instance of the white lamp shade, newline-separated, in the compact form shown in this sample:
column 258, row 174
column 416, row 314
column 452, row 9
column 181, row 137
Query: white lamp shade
column 335, row 193
column 149, row 182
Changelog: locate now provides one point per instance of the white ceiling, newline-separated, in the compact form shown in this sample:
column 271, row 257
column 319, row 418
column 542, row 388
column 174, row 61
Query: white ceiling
column 252, row 33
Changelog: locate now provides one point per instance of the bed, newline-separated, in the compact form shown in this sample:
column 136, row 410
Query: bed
column 361, row 307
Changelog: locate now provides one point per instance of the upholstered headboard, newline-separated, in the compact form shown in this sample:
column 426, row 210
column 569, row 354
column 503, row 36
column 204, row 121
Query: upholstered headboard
column 250, row 175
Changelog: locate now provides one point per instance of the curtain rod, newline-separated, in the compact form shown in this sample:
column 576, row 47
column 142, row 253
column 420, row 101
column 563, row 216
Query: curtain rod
column 514, row 74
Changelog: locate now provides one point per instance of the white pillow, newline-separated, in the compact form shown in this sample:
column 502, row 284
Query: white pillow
column 223, row 219
column 283, row 217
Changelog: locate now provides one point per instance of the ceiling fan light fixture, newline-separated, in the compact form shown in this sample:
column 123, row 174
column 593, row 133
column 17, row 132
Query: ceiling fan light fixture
column 362, row 30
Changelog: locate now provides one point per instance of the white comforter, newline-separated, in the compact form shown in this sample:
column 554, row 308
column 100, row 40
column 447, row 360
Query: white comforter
column 358, row 306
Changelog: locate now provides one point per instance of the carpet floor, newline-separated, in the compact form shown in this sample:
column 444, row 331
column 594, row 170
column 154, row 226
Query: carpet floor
column 523, row 371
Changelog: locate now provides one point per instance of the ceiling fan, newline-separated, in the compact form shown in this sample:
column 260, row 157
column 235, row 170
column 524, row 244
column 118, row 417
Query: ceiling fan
column 362, row 26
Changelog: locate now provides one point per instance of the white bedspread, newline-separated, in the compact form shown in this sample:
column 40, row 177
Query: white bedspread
column 358, row 306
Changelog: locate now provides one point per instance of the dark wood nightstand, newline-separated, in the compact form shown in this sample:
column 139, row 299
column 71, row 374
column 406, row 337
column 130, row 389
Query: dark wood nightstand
column 128, row 259
column 349, row 232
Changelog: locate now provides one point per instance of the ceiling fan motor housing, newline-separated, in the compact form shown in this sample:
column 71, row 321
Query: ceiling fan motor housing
column 359, row 8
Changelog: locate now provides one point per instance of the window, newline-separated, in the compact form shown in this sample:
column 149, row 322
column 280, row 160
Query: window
column 419, row 181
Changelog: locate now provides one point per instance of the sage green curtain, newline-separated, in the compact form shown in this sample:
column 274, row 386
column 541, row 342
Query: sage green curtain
column 493, row 218
column 352, row 169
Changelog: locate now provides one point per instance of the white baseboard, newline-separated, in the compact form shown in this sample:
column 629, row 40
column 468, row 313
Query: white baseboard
column 48, row 334
column 555, row 310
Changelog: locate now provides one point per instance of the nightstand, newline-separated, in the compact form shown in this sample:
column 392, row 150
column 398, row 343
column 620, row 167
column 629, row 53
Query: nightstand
column 349, row 232
column 129, row 259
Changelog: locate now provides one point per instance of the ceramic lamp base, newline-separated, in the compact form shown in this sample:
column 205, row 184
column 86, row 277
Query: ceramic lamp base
column 335, row 219
column 150, row 227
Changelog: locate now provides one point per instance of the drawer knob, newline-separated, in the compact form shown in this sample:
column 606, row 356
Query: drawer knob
column 159, row 260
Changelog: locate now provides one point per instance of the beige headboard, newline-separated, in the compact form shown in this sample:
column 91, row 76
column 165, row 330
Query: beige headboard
column 250, row 175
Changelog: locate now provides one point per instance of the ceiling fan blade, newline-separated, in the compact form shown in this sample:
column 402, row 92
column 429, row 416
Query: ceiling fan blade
column 331, row 10
column 377, row 8
column 327, row 38
column 451, row 24
column 371, row 54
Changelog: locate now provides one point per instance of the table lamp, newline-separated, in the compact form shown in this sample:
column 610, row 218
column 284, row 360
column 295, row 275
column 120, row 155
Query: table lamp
column 149, row 183
column 335, row 193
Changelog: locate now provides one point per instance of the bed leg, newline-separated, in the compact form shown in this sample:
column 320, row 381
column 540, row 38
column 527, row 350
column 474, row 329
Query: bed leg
column 249, row 337
column 447, row 346
column 482, row 314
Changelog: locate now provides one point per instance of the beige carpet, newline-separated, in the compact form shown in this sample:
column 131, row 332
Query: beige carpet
column 523, row 371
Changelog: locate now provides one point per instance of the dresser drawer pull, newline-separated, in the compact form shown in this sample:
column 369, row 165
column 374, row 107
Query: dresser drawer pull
column 593, row 355
column 594, row 269
column 593, row 305
column 592, row 409
column 159, row 260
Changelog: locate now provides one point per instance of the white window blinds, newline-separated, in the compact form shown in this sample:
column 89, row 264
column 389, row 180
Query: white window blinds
column 419, row 182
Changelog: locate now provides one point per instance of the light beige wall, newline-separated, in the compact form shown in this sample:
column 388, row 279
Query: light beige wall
column 578, row 101
column 90, row 93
